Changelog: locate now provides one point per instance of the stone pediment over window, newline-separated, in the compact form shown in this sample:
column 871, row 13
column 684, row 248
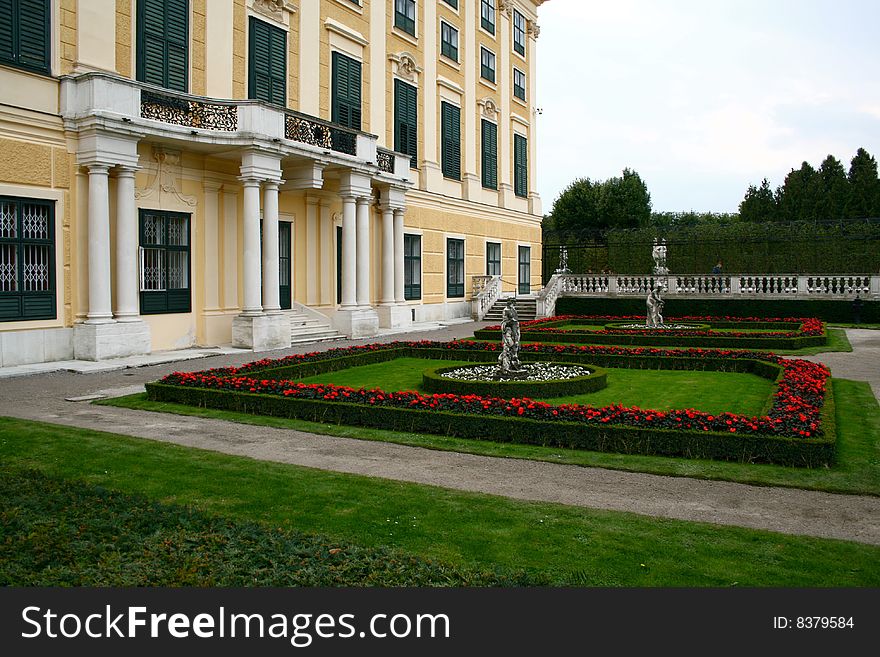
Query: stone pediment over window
column 274, row 9
column 405, row 67
column 489, row 107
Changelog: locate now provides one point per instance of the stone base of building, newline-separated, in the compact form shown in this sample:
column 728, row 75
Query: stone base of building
column 261, row 333
column 111, row 340
column 393, row 316
column 357, row 322
column 35, row 346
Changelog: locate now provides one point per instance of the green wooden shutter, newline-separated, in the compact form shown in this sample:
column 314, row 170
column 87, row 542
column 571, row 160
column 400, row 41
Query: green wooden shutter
column 406, row 133
column 24, row 34
column 490, row 155
column 267, row 56
column 346, row 97
column 163, row 38
column 450, row 127
column 520, row 166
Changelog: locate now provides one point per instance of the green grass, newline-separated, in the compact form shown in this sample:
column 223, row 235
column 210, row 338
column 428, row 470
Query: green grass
column 837, row 341
column 858, row 446
column 569, row 545
column 712, row 392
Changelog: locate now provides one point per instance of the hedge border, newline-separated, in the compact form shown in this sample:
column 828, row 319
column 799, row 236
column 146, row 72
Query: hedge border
column 432, row 381
column 753, row 448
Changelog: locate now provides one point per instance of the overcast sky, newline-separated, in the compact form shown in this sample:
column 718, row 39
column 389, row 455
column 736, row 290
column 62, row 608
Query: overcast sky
column 703, row 97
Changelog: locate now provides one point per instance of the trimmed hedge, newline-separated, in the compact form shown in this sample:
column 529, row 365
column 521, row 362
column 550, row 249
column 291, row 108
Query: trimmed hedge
column 254, row 394
column 828, row 310
column 798, row 452
column 595, row 380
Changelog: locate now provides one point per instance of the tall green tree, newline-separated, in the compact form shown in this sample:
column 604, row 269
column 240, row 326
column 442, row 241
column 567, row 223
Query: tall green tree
column 584, row 206
column 864, row 187
column 832, row 190
column 797, row 201
column 759, row 204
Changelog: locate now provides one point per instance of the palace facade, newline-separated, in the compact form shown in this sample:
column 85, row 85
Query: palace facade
column 201, row 172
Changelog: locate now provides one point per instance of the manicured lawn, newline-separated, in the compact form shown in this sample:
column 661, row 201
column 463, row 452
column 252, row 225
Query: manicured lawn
column 567, row 544
column 858, row 446
column 712, row 392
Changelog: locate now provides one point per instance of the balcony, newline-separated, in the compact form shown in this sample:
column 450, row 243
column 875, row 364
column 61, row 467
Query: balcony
column 107, row 102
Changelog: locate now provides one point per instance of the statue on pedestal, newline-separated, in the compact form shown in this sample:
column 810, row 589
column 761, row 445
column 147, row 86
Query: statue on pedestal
column 655, row 307
column 508, row 362
column 658, row 253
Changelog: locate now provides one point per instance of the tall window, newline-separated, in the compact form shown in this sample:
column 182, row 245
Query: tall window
column 520, row 165
column 452, row 3
column 406, row 132
column 490, row 154
column 267, row 63
column 405, row 15
column 450, row 138
column 27, row 259
column 519, row 84
column 24, row 34
column 519, row 33
column 525, row 270
column 487, row 64
column 487, row 15
column 412, row 267
column 448, row 41
column 493, row 259
column 346, row 96
column 165, row 272
column 454, row 268
column 163, row 43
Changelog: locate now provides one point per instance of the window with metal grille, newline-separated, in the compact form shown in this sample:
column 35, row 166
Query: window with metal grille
column 406, row 128
column 27, row 259
column 493, row 259
column 412, row 267
column 450, row 138
column 454, row 267
column 448, row 41
column 163, row 43
column 519, row 84
column 520, row 166
column 405, row 15
column 487, row 64
column 519, row 33
column 487, row 15
column 24, row 34
column 490, row 155
column 267, row 63
column 164, row 262
column 346, row 96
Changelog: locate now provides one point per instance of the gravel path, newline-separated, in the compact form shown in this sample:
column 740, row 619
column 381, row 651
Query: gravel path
column 792, row 511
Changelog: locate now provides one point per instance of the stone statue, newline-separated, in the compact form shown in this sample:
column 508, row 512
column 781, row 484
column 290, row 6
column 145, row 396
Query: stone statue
column 508, row 362
column 658, row 253
column 655, row 307
column 563, row 261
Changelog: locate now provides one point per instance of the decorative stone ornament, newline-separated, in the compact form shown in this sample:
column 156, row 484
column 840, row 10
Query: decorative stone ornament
column 406, row 67
column 274, row 9
column 167, row 178
column 489, row 107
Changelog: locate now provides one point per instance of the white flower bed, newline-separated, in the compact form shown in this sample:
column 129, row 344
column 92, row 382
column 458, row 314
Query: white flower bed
column 534, row 372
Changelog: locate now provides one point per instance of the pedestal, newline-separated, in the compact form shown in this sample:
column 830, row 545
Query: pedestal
column 357, row 322
column 111, row 340
column 394, row 316
column 261, row 333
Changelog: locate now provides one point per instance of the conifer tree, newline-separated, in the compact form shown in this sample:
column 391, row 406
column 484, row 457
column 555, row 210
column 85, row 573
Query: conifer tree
column 864, row 187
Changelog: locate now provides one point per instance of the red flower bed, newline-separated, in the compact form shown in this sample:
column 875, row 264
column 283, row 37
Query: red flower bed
column 796, row 410
column 809, row 326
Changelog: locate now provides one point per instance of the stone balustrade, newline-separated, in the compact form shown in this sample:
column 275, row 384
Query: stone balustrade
column 486, row 290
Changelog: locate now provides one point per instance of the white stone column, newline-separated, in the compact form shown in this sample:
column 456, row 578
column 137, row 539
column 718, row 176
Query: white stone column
column 127, row 307
column 349, row 253
column 387, row 255
column 311, row 250
column 230, row 251
column 363, row 251
column 252, row 306
column 99, row 246
column 271, row 305
column 398, row 255
column 328, row 254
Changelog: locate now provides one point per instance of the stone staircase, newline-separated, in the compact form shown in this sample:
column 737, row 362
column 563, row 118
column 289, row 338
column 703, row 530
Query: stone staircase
column 525, row 308
column 309, row 327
